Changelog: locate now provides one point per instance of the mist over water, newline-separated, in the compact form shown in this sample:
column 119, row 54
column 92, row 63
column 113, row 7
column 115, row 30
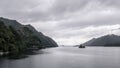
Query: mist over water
column 68, row 57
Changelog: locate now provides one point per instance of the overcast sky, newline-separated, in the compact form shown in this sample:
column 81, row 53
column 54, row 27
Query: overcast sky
column 68, row 22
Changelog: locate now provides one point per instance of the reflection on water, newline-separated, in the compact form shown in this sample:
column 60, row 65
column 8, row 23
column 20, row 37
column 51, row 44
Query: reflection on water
column 68, row 57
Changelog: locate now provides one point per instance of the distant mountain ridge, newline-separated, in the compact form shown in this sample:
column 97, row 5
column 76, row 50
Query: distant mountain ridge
column 107, row 40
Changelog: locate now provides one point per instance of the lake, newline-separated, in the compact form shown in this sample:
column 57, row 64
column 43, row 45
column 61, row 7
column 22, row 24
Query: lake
column 68, row 57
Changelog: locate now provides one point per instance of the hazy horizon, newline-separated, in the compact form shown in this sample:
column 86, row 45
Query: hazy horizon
column 69, row 22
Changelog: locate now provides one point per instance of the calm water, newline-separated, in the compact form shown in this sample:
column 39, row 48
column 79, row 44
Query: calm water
column 68, row 57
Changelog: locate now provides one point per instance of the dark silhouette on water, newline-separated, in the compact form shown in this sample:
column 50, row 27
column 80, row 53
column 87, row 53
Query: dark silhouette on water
column 81, row 46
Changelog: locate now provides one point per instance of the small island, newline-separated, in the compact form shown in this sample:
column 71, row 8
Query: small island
column 81, row 46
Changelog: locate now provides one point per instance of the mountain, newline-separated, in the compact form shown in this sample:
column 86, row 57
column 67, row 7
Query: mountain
column 15, row 37
column 45, row 40
column 107, row 40
column 12, row 23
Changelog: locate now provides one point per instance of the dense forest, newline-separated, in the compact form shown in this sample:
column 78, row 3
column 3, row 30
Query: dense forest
column 16, row 38
column 14, row 42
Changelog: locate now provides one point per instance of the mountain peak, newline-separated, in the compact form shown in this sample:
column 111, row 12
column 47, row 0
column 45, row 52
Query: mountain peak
column 2, row 18
column 107, row 40
column 8, row 22
column 110, row 36
column 29, row 30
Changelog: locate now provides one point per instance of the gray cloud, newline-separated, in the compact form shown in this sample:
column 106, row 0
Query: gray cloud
column 115, row 3
column 111, row 20
column 62, row 6
column 65, row 20
column 38, row 10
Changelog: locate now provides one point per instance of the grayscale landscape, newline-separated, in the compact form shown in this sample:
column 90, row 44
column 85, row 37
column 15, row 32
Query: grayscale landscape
column 59, row 34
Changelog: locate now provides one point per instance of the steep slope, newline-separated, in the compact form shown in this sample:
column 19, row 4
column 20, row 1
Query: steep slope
column 10, row 40
column 12, row 23
column 45, row 40
column 107, row 40
column 50, row 42
column 14, row 35
column 20, row 29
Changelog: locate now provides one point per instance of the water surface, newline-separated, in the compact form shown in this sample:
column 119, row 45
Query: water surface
column 68, row 57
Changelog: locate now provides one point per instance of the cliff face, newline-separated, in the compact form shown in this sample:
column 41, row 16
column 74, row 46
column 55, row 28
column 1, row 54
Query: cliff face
column 107, row 40
column 16, row 37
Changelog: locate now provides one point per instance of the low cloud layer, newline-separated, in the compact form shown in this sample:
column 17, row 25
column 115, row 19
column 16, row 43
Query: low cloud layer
column 69, row 22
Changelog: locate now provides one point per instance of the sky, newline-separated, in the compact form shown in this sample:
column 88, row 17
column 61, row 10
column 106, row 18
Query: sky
column 68, row 22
